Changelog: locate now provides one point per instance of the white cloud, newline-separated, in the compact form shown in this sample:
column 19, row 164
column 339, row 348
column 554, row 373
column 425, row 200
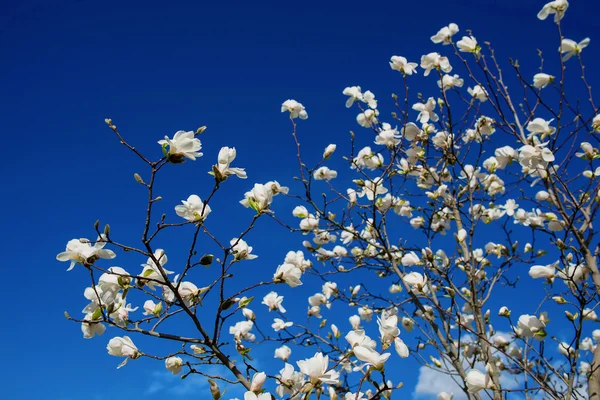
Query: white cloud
column 432, row 382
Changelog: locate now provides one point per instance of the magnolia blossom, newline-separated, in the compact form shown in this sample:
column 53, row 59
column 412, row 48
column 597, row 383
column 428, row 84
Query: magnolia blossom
column 373, row 188
column 478, row 92
column 435, row 61
column 450, row 81
column 174, row 365
column 388, row 137
column 399, row 63
column 300, row 212
column 296, row 109
column 279, row 324
column 468, row 44
column 445, row 396
column 477, row 380
column 273, row 301
column 401, row 348
column 153, row 271
column 253, row 396
column 445, row 34
column 543, row 271
column 354, row 396
column 367, row 118
column 241, row 330
column 81, row 251
column 183, row 145
column 290, row 381
column 241, row 250
column 531, row 326
column 354, row 94
column 259, row 198
column 416, row 282
column 258, row 380
column 122, row 347
column 371, row 356
column 151, row 308
column 324, row 174
column 329, row 150
column 556, row 7
column 283, row 353
column 223, row 169
column 540, row 126
column 570, row 48
column 426, row 111
column 288, row 273
column 542, row 80
column 90, row 328
column 193, row 209
column 316, row 368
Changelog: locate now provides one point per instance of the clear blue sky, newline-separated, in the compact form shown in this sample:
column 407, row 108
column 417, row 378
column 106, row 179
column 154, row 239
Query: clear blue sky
column 158, row 67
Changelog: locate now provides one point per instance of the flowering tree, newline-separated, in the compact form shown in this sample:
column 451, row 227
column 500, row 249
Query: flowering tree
column 415, row 214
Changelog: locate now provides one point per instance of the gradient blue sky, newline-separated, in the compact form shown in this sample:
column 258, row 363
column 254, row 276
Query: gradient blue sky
column 157, row 67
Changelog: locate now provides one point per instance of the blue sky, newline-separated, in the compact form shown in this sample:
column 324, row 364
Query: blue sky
column 158, row 67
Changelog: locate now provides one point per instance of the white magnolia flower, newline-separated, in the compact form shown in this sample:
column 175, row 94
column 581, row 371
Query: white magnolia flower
column 450, row 81
column 300, row 212
column 477, row 380
column 354, row 94
column 259, row 198
column 556, row 7
column 279, row 324
column 399, row 63
column 371, row 356
column 324, row 174
column 174, row 365
column 539, row 126
column 478, row 92
column 193, row 209
column 401, row 348
column 367, row 118
column 373, row 188
column 426, row 111
column 288, row 273
column 225, row 158
column 296, row 109
column 468, row 44
column 531, row 326
column 152, row 270
column 566, row 350
column 316, row 368
column 416, row 282
column 253, row 396
column 543, row 271
column 122, row 347
column 354, row 396
column 258, row 380
column 273, row 301
column 241, row 250
column 445, row 396
column 329, row 150
column 81, row 251
column 435, row 61
column 283, row 353
column 152, row 308
column 445, row 34
column 248, row 314
column 183, row 145
column 290, row 380
column 241, row 330
column 571, row 48
column 541, row 80
column 90, row 328
column 388, row 137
